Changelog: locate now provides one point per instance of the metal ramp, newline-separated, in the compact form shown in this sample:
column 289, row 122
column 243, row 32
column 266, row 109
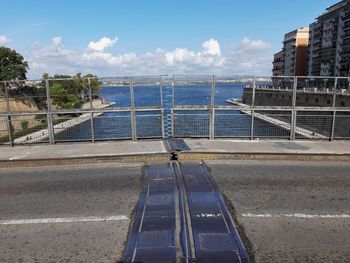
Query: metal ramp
column 181, row 217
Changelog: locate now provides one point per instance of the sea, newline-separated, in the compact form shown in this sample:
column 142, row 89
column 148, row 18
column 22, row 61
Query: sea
column 117, row 125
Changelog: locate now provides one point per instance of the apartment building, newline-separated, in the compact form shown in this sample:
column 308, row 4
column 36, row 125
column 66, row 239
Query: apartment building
column 295, row 52
column 329, row 42
column 291, row 61
column 278, row 64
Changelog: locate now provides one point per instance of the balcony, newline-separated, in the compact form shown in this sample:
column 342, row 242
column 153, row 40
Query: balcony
column 346, row 17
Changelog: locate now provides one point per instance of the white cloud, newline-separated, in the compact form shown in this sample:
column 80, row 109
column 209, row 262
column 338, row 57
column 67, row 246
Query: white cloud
column 56, row 41
column 4, row 40
column 102, row 44
column 254, row 45
column 212, row 47
column 209, row 59
column 56, row 50
column 251, row 57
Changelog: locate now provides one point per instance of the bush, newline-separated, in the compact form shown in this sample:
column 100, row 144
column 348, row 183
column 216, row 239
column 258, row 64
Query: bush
column 25, row 125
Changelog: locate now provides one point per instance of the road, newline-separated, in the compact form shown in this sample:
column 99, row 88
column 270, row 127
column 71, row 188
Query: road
column 65, row 192
column 274, row 202
column 290, row 211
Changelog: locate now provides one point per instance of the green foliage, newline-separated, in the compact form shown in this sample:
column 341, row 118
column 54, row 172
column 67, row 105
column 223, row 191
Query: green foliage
column 24, row 125
column 95, row 84
column 61, row 97
column 68, row 92
column 12, row 65
column 40, row 117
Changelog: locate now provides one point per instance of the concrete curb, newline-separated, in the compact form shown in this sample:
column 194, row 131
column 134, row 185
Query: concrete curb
column 182, row 156
column 188, row 156
column 127, row 158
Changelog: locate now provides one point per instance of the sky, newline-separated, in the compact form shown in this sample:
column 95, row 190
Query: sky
column 152, row 37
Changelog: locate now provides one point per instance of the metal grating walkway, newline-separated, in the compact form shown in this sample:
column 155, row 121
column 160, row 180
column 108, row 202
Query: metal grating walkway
column 181, row 217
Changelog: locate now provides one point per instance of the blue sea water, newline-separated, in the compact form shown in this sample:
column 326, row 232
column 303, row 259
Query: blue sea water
column 117, row 125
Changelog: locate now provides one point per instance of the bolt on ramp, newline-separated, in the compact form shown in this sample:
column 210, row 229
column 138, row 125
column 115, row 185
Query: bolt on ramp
column 182, row 217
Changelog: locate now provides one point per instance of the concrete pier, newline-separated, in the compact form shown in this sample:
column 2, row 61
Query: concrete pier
column 58, row 128
column 282, row 124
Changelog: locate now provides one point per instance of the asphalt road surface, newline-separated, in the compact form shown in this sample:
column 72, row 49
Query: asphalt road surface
column 96, row 197
column 290, row 211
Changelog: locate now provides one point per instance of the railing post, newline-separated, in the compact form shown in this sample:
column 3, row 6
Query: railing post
column 252, row 110
column 161, row 91
column 91, row 112
column 212, row 110
column 173, row 92
column 172, row 123
column 49, row 113
column 161, row 105
column 294, row 112
column 132, row 111
column 334, row 110
column 8, row 109
column 162, row 122
column 172, row 107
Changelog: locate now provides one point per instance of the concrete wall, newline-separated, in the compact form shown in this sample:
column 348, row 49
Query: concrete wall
column 269, row 97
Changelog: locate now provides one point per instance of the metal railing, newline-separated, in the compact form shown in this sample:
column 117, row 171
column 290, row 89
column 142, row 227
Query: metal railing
column 179, row 106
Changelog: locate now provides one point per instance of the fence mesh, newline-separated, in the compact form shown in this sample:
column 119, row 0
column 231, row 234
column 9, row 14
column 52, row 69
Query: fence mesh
column 232, row 124
column 91, row 108
column 342, row 125
column 72, row 127
column 314, row 125
column 113, row 125
column 272, row 124
column 186, row 86
column 4, row 138
column 148, row 125
column 29, row 129
column 191, row 124
column 26, row 96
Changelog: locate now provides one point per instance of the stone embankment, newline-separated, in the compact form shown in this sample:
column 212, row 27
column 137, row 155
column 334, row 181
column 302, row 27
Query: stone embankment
column 17, row 106
column 58, row 128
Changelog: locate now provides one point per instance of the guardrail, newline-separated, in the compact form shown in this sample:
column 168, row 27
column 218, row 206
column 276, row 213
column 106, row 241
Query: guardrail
column 156, row 107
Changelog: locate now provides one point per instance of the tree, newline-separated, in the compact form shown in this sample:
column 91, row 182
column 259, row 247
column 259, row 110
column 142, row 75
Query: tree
column 12, row 65
column 61, row 97
column 95, row 84
column 70, row 92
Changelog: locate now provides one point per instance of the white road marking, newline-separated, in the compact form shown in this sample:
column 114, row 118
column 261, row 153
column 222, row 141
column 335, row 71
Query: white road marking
column 209, row 215
column 307, row 216
column 63, row 220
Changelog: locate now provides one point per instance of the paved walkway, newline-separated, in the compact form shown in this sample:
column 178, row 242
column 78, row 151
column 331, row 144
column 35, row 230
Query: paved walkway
column 125, row 148
column 275, row 147
column 80, row 150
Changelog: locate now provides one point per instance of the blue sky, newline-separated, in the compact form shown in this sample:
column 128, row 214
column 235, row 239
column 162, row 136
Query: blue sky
column 152, row 36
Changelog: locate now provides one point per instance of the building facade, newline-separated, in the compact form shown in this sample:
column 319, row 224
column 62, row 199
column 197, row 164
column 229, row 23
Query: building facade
column 329, row 42
column 291, row 61
column 295, row 52
column 278, row 64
